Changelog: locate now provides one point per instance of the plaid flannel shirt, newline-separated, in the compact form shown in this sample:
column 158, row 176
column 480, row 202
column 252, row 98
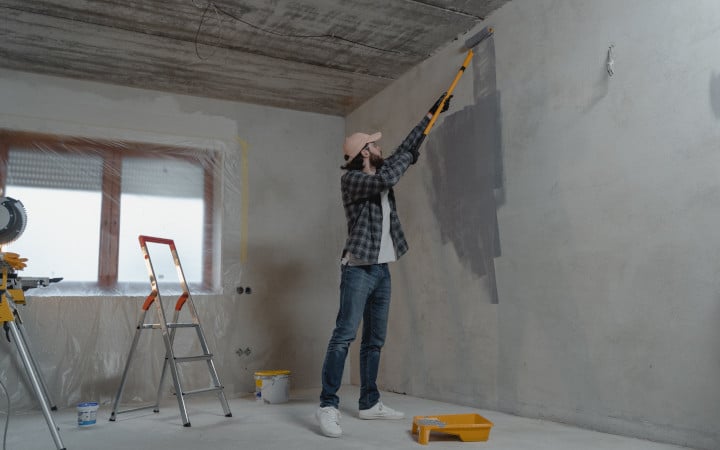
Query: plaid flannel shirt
column 361, row 199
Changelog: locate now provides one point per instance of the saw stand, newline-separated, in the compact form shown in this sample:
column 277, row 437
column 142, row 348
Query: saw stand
column 10, row 316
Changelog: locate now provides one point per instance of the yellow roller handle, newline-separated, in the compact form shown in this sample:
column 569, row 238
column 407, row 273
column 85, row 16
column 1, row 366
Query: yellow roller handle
column 449, row 91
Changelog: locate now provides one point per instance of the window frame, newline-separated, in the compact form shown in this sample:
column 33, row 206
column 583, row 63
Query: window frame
column 112, row 153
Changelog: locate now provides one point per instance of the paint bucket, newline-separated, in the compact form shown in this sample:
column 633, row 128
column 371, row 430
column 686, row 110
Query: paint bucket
column 272, row 386
column 87, row 413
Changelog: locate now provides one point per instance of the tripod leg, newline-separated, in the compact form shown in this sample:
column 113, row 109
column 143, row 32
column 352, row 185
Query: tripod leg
column 46, row 392
column 35, row 381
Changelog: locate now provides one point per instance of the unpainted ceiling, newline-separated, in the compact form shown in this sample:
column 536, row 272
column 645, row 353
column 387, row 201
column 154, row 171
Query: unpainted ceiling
column 325, row 56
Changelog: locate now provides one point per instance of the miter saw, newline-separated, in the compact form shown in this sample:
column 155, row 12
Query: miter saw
column 13, row 220
column 12, row 287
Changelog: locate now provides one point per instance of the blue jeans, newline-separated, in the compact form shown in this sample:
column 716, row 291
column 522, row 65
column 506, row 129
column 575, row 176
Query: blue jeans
column 364, row 294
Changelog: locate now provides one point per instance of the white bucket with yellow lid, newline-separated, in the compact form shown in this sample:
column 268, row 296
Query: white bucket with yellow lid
column 272, row 386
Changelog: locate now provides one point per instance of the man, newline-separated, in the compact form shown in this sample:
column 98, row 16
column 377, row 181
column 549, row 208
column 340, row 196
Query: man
column 375, row 238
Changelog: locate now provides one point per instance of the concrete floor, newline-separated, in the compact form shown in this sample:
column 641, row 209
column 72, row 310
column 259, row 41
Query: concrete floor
column 292, row 426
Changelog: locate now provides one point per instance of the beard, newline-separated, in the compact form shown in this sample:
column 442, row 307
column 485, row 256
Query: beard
column 376, row 161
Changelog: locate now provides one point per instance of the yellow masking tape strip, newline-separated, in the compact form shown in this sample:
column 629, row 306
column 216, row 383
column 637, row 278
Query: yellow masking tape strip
column 244, row 199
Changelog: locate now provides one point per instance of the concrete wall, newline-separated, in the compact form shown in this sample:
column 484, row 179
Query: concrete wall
column 608, row 288
column 294, row 233
column 606, row 279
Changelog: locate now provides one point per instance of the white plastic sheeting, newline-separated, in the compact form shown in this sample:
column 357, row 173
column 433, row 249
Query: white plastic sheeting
column 87, row 201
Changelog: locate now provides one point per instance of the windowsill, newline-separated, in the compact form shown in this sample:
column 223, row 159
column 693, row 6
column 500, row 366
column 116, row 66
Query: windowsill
column 127, row 289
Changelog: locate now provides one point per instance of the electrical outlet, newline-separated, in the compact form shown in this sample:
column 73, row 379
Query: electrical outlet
column 243, row 290
column 246, row 352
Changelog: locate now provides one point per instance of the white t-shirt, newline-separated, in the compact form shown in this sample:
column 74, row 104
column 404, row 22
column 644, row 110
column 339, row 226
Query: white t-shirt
column 387, row 249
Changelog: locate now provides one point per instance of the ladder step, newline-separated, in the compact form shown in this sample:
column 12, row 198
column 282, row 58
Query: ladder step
column 193, row 358
column 141, row 408
column 202, row 391
column 156, row 326
column 182, row 325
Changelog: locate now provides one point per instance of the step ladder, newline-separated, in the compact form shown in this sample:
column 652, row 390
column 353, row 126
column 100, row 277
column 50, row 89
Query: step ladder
column 168, row 332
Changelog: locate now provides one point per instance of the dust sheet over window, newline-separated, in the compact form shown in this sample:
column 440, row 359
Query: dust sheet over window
column 88, row 200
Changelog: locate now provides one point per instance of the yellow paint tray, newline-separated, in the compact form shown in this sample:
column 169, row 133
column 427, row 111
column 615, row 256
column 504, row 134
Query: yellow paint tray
column 468, row 427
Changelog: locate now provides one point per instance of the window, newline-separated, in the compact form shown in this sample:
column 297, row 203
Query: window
column 87, row 201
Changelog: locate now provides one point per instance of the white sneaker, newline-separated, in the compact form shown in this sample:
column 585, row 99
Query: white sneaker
column 329, row 419
column 380, row 411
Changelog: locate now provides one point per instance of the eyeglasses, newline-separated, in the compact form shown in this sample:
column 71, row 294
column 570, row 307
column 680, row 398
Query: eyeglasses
column 367, row 146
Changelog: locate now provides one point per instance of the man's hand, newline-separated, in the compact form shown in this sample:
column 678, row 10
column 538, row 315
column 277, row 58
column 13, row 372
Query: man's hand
column 445, row 107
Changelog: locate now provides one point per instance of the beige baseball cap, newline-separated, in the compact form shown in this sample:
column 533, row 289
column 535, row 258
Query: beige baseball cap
column 356, row 141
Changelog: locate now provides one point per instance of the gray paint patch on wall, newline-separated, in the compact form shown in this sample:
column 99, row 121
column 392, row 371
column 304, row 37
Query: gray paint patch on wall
column 487, row 99
column 462, row 155
column 715, row 94
column 465, row 157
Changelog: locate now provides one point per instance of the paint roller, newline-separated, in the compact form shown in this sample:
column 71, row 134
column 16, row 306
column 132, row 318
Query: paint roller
column 469, row 44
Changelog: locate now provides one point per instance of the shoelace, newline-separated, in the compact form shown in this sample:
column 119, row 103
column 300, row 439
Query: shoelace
column 334, row 415
column 382, row 407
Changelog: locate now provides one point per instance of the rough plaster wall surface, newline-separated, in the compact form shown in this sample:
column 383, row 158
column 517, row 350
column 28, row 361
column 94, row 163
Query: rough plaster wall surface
column 609, row 274
column 609, row 299
column 292, row 240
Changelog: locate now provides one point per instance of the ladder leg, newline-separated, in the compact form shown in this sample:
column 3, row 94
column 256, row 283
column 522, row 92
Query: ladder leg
column 34, row 380
column 176, row 380
column 161, row 385
column 221, row 392
column 118, row 396
column 213, row 373
column 203, row 341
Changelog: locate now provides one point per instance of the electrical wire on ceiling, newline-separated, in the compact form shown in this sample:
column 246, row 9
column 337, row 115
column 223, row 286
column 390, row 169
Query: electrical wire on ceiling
column 450, row 10
column 220, row 11
column 202, row 21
